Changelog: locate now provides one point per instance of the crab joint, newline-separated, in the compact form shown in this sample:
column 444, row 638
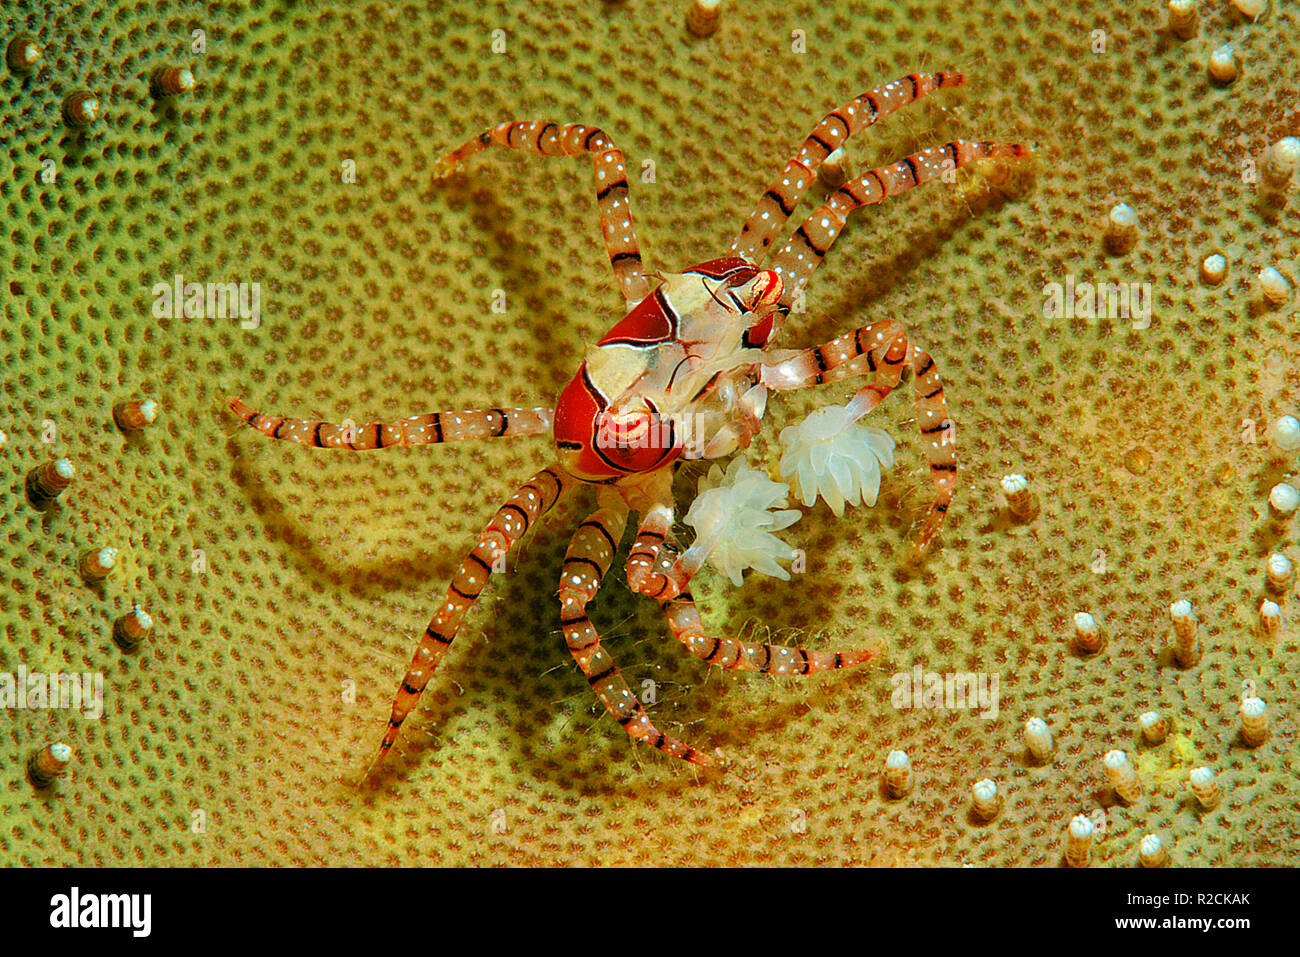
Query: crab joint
column 1274, row 286
column 835, row 169
column 1151, row 851
column 1121, row 228
column 1182, row 18
column 1270, row 618
column 1280, row 162
column 1214, row 268
column 1284, row 498
column 1279, row 572
column 1223, row 64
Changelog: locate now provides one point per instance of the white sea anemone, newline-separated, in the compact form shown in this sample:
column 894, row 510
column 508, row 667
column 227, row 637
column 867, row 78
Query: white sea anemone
column 734, row 516
column 831, row 455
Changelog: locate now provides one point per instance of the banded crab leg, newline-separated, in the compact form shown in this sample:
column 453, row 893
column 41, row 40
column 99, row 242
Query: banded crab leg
column 647, row 572
column 799, row 258
column 428, row 429
column 585, row 564
column 612, row 196
column 735, row 655
column 652, row 572
column 654, row 566
column 776, row 205
column 881, row 349
column 521, row 511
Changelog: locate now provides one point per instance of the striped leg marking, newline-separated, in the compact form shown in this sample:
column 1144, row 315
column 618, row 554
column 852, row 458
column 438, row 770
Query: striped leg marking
column 428, row 429
column 648, row 571
column 776, row 205
column 731, row 654
column 585, row 564
column 799, row 258
column 880, row 350
column 573, row 139
column 521, row 511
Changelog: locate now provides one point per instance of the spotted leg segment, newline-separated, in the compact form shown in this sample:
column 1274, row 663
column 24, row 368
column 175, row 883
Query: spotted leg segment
column 650, row 568
column 585, row 564
column 734, row 655
column 573, row 139
column 428, row 429
column 881, row 350
column 799, row 258
column 521, row 511
column 776, row 205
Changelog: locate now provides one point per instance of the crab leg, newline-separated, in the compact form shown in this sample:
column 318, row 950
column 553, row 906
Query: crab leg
column 652, row 572
column 647, row 571
column 731, row 654
column 530, row 502
column 585, row 564
column 772, row 211
column 573, row 139
column 427, row 429
column 881, row 349
column 799, row 258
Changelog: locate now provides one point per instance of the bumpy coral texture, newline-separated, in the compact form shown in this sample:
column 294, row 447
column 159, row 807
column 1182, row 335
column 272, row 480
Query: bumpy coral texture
column 261, row 695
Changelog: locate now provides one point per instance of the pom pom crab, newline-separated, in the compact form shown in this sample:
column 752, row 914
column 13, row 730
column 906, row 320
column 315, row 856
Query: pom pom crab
column 684, row 375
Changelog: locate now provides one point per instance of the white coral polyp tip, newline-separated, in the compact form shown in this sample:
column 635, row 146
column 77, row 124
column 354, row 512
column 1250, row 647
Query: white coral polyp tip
column 734, row 517
column 1274, row 286
column 1286, row 433
column 1284, row 497
column 1223, row 64
column 830, row 455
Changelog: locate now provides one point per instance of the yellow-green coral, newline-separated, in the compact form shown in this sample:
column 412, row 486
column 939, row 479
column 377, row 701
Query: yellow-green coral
column 288, row 585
